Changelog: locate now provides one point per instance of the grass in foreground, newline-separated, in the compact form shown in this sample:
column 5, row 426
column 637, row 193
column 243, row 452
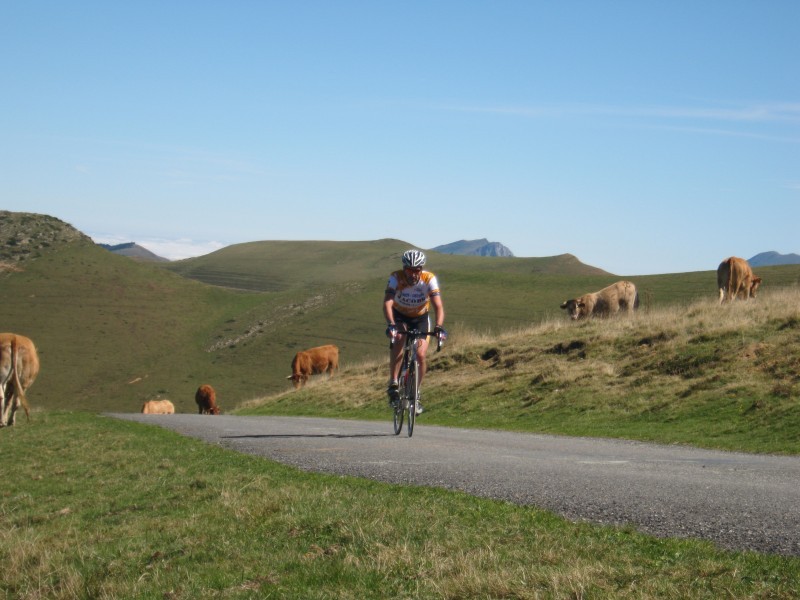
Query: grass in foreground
column 91, row 507
column 724, row 377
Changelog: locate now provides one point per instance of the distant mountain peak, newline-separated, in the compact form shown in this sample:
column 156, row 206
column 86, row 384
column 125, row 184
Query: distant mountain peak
column 481, row 247
column 772, row 258
column 133, row 250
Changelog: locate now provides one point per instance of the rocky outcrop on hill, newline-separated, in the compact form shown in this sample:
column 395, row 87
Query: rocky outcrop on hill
column 482, row 247
column 26, row 235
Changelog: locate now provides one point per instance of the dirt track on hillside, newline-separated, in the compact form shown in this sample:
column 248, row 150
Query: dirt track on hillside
column 739, row 501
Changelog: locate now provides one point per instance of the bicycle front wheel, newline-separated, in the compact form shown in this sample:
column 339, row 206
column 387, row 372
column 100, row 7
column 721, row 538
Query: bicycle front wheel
column 398, row 417
column 412, row 391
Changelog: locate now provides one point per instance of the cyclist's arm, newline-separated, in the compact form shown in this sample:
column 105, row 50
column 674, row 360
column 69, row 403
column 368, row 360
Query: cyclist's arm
column 436, row 300
column 388, row 307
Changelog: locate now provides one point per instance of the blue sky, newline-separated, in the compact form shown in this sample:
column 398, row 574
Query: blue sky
column 642, row 137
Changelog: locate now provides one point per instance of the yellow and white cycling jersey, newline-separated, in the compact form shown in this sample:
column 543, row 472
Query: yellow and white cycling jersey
column 412, row 299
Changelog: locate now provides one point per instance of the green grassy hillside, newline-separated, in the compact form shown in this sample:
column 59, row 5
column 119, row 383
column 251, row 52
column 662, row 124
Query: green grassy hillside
column 701, row 374
column 113, row 332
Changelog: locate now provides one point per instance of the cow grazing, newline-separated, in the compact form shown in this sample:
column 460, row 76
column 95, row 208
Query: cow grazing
column 313, row 361
column 206, row 399
column 19, row 366
column 158, row 407
column 735, row 279
column 608, row 301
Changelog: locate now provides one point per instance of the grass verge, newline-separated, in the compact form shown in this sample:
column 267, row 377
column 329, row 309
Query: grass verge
column 91, row 507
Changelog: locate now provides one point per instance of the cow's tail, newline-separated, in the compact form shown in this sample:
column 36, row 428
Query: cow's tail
column 636, row 300
column 19, row 392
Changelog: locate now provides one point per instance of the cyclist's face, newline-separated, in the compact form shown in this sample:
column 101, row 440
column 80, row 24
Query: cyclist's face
column 413, row 274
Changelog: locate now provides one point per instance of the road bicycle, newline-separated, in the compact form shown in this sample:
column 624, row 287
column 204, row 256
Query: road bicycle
column 408, row 383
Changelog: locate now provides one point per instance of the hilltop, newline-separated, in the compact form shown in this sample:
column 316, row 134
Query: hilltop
column 281, row 265
column 27, row 236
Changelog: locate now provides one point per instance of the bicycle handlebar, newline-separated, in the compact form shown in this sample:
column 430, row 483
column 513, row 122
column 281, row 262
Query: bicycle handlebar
column 416, row 334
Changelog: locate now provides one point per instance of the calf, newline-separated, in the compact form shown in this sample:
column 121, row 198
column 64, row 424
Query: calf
column 158, row 407
column 313, row 361
column 608, row 301
column 206, row 399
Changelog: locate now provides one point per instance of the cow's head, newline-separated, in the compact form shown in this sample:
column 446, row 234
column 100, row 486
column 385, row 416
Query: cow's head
column 214, row 410
column 754, row 285
column 576, row 308
column 297, row 379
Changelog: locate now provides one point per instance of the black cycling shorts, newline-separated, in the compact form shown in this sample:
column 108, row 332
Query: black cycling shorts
column 422, row 323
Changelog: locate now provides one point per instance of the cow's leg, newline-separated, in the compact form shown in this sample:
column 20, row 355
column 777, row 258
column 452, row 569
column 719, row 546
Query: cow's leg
column 8, row 394
column 2, row 404
column 9, row 404
column 12, row 410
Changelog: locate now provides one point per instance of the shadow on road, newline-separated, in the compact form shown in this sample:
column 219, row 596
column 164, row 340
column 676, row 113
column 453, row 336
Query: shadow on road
column 307, row 435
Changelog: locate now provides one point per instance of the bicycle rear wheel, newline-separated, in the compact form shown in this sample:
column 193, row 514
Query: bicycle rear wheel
column 411, row 392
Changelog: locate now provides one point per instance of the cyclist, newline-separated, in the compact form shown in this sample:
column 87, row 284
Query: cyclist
column 406, row 305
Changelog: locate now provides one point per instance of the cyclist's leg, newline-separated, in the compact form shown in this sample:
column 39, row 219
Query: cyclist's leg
column 424, row 324
column 396, row 354
column 396, row 357
column 395, row 361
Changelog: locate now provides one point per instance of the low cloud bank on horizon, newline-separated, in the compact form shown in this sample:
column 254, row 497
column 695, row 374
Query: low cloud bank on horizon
column 169, row 249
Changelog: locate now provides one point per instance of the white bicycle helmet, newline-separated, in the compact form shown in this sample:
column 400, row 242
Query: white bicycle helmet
column 414, row 259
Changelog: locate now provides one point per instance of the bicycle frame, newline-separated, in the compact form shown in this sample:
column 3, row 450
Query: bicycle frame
column 409, row 379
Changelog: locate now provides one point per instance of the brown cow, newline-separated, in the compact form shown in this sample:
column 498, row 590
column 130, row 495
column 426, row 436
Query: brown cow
column 206, row 399
column 606, row 302
column 312, row 361
column 19, row 366
column 735, row 279
column 158, row 407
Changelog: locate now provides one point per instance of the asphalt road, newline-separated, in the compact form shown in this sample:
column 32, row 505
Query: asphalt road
column 739, row 501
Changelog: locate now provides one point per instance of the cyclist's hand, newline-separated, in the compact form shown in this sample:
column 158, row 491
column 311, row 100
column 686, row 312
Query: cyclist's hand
column 391, row 331
column 440, row 333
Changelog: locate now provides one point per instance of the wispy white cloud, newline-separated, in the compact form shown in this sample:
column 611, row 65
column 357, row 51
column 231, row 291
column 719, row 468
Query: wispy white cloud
column 755, row 113
column 730, row 133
